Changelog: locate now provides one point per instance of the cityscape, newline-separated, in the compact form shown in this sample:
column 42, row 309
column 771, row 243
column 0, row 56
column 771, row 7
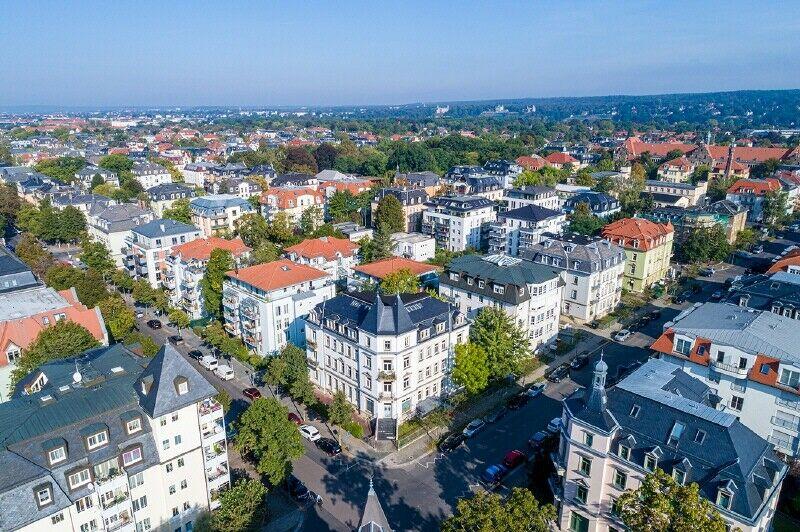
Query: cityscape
column 298, row 287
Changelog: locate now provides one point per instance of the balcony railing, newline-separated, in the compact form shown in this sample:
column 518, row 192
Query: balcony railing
column 729, row 367
column 118, row 498
column 312, row 362
column 791, row 425
column 385, row 395
column 217, row 472
column 123, row 520
column 386, row 375
column 209, row 406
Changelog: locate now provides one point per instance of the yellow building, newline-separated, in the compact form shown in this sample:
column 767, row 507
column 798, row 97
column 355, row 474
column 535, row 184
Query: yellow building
column 648, row 249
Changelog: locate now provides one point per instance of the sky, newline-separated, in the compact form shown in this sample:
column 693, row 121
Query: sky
column 262, row 53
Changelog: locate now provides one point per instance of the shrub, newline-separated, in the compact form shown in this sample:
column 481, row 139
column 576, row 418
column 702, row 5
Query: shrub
column 355, row 429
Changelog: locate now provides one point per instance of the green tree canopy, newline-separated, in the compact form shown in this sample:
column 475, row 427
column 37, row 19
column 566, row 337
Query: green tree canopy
column 705, row 244
column 220, row 262
column 96, row 256
column 61, row 169
column 402, row 281
column 325, row 154
column 489, row 512
column 503, row 341
column 471, row 369
column 390, row 212
column 179, row 211
column 340, row 412
column 773, row 210
column 116, row 162
column 119, row 317
column 242, row 507
column 583, row 221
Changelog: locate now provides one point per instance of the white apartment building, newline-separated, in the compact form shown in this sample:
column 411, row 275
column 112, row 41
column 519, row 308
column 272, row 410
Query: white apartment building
column 196, row 173
column 591, row 270
column 266, row 304
column 659, row 417
column 390, row 355
column 150, row 174
column 457, row 222
column 216, row 214
column 750, row 358
column 414, row 246
column 540, row 196
column 334, row 256
column 530, row 293
column 112, row 226
column 520, row 229
column 185, row 266
column 112, row 442
column 148, row 246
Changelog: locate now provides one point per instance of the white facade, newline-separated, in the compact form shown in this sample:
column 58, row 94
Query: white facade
column 414, row 246
column 149, row 175
column 147, row 252
column 457, row 223
column 114, row 231
column 513, row 234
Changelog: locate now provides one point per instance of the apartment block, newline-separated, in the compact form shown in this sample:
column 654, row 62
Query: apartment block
column 648, row 250
column 458, row 222
column 217, row 214
column 149, row 245
column 335, row 256
column 519, row 229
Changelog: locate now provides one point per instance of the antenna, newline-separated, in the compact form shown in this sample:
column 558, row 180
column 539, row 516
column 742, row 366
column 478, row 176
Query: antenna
column 77, row 377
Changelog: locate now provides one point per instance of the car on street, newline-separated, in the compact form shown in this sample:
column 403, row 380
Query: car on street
column 209, row 362
column 224, row 372
column 536, row 390
column 555, row 425
column 579, row 361
column 496, row 415
column 518, row 401
column 328, row 446
column 559, row 373
column 251, row 393
column 716, row 296
column 758, row 249
column 707, row 272
column 473, row 428
column 514, row 458
column 494, row 474
column 196, row 354
column 622, row 335
column 309, row 432
column 139, row 314
column 453, row 441
column 537, row 440
column 154, row 324
column 297, row 490
column 294, row 418
column 176, row 339
column 655, row 314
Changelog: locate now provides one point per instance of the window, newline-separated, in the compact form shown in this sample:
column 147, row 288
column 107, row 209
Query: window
column 387, row 365
column 140, row 503
column 588, row 438
column 581, row 493
column 78, row 479
column 683, row 346
column 143, row 525
column 57, row 518
column 499, row 289
column 181, row 462
column 165, row 445
column 131, row 457
column 624, row 452
column 136, row 480
column 620, row 479
column 699, row 437
column 635, row 411
column 96, row 440
column 650, row 462
column 183, row 387
column 368, row 362
column 679, row 475
column 724, row 499
column 172, row 490
column 737, row 403
column 578, row 523
column 387, row 345
column 178, row 439
column 134, row 425
column 175, row 416
column 585, row 466
column 789, row 378
column 57, row 455
column 184, row 484
column 44, row 496
column 84, row 504
column 168, row 467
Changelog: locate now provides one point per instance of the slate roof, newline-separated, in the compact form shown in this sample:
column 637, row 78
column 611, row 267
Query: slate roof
column 762, row 292
column 373, row 519
column 531, row 213
column 296, row 179
column 121, row 217
column 597, row 201
column 592, row 253
column 164, row 227
column 530, row 192
column 166, row 191
column 217, row 203
column 459, row 203
column 406, row 196
column 14, row 274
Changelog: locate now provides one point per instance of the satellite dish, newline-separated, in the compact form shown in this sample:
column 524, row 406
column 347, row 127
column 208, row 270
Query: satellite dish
column 77, row 377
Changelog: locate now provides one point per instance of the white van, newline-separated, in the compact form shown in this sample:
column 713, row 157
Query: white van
column 209, row 362
column 224, row 372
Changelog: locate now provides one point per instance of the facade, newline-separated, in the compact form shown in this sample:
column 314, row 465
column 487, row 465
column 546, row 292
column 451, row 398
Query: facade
column 486, row 186
column 412, row 200
column 85, row 176
column 217, row 214
column 353, row 231
column 14, row 274
column 694, row 194
column 112, row 226
column 457, row 222
column 600, row 204
column 390, row 355
column 529, row 293
column 149, row 245
column 196, row 174
column 591, row 271
column 648, row 250
column 730, row 216
column 163, row 196
column 111, row 441
column 562, row 161
column 266, row 304
column 507, row 170
column 519, row 229
column 532, row 195
column 294, row 202
column 150, row 174
column 676, row 171
column 334, row 256
column 185, row 266
column 750, row 194
column 659, row 417
column 414, row 246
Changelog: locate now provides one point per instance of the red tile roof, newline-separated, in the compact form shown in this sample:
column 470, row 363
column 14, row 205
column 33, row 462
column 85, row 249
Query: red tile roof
column 681, row 163
column 759, row 187
column 558, row 157
column 635, row 147
column 201, row 248
column 327, row 246
column 381, row 268
column 355, row 187
column 647, row 233
column 286, row 198
column 790, row 259
column 277, row 274
column 770, row 365
column 665, row 342
column 532, row 162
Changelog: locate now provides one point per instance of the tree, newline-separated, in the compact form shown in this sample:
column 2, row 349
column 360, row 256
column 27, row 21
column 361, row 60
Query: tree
column 414, row 157
column 9, row 202
column 402, row 281
column 503, row 341
column 253, row 229
column 32, row 253
column 342, row 205
column 220, row 262
column 298, row 159
column 310, row 219
column 390, row 212
column 96, row 256
column 62, row 339
column 489, row 512
column 289, row 370
column 97, row 180
column 116, row 162
column 122, row 280
column 179, row 318
column 773, row 209
column 340, row 413
column 471, row 369
column 325, row 155
column 661, row 504
column 90, row 288
column 266, row 252
column 143, row 293
column 61, row 169
column 585, row 179
column 547, row 176
column 266, row 433
column 242, row 507
column 179, row 211
column 281, row 229
column 119, row 318
column 583, row 221
column 705, row 244
column 765, row 169
column 225, row 399
column 746, row 238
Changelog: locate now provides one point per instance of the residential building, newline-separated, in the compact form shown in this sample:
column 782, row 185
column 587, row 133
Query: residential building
column 390, row 355
column 600, row 204
column 730, row 216
column 668, row 192
column 591, row 270
column 563, row 161
column 216, row 214
column 162, row 197
column 294, row 202
column 295, row 179
column 353, row 231
column 749, row 357
column 532, row 162
column 790, row 262
column 196, row 174
column 411, row 199
column 266, row 304
column 648, row 250
column 14, row 274
column 334, row 256
column 112, row 226
column 532, row 195
column 414, row 246
column 677, row 170
column 150, row 174
column 85, row 176
column 529, row 293
column 458, row 222
column 659, row 417
column 237, row 186
column 185, row 266
column 428, row 181
column 149, row 245
column 86, row 203
column 366, row 276
column 777, row 292
column 486, row 186
column 521, row 228
column 111, row 441
column 750, row 194
column 506, row 170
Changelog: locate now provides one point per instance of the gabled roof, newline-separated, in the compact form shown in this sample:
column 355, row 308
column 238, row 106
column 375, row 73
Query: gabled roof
column 201, row 248
column 759, row 187
column 328, row 247
column 560, row 158
column 277, row 274
column 531, row 213
column 381, row 268
column 644, row 231
column 373, row 519
column 164, row 227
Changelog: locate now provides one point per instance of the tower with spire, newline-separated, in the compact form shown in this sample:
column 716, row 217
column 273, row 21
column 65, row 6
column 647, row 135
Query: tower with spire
column 373, row 519
column 597, row 395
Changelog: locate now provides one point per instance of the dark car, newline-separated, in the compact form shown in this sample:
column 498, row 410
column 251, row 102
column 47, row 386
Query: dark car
column 579, row 361
column 176, row 339
column 196, row 354
column 514, row 458
column 496, row 415
column 296, row 488
column 251, row 393
column 154, row 324
column 494, row 474
column 537, row 440
column 707, row 272
column 294, row 418
column 655, row 314
column 559, row 373
column 328, row 446
column 518, row 401
column 594, row 324
column 452, row 442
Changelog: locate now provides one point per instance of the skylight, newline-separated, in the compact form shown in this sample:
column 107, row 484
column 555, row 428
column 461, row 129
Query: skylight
column 676, row 433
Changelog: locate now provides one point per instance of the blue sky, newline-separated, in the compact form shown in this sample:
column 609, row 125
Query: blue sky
column 82, row 53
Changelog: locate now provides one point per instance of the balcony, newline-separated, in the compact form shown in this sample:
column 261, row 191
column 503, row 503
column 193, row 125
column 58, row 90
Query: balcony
column 312, row 362
column 230, row 300
column 217, row 476
column 557, row 463
column 123, row 521
column 210, row 409
column 169, row 283
column 230, row 327
column 118, row 498
column 385, row 395
column 729, row 369
column 785, row 423
column 250, row 312
column 249, row 325
column 216, row 453
column 386, row 375
column 213, row 431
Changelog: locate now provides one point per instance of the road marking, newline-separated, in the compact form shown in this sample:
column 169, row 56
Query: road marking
column 428, row 463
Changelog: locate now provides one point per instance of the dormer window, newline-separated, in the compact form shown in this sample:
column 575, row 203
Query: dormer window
column 624, row 452
column 699, row 437
column 57, row 455
column 481, row 284
column 499, row 289
column 43, row 495
column 79, row 478
column 634, row 411
column 97, row 440
column 134, row 425
column 181, row 384
column 679, row 475
column 724, row 498
column 650, row 462
column 132, row 456
column 789, row 378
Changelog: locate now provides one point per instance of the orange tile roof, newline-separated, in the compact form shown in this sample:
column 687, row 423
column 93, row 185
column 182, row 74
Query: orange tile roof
column 665, row 342
column 759, row 187
column 355, row 187
column 277, row 274
column 770, row 378
column 635, row 147
column 326, row 246
column 790, row 259
column 558, row 157
column 381, row 268
column 286, row 198
column 626, row 230
column 681, row 162
column 532, row 162
column 201, row 248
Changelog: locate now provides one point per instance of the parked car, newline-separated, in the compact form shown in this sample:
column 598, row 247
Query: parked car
column 251, row 393
column 209, row 362
column 655, row 314
column 224, row 372
column 594, row 324
column 453, row 441
column 154, row 324
column 496, row 415
column 309, row 432
column 294, row 418
column 139, row 314
column 297, row 490
column 536, row 389
column 537, row 440
column 758, row 249
column 473, row 428
column 559, row 373
column 176, row 339
column 716, row 296
column 622, row 335
column 707, row 272
column 579, row 361
column 518, row 401
column 514, row 458
column 328, row 446
column 494, row 474
column 196, row 354
column 555, row 425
